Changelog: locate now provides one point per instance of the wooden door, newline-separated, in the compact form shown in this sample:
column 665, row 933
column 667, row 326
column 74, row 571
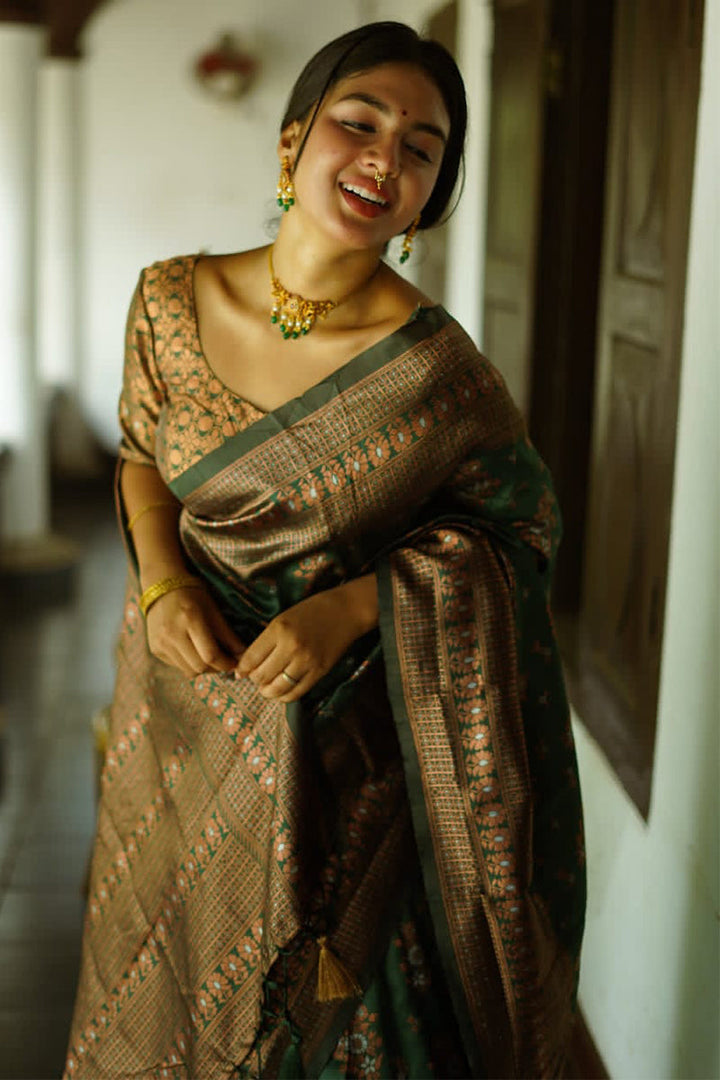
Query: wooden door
column 568, row 272
column 651, row 148
column 514, row 167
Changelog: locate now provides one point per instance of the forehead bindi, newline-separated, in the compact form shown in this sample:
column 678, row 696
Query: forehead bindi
column 401, row 90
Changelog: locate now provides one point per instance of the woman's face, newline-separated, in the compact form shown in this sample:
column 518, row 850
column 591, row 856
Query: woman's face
column 390, row 119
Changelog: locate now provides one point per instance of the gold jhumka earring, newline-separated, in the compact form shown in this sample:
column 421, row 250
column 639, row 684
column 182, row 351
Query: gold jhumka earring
column 285, row 188
column 408, row 241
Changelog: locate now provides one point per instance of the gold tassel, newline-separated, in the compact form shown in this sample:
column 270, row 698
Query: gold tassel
column 334, row 979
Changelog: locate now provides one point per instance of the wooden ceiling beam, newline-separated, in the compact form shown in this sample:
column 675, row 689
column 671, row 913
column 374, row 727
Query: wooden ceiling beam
column 22, row 11
column 64, row 20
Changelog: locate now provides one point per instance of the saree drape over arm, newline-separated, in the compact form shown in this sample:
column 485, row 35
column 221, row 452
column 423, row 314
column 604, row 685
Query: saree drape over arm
column 419, row 808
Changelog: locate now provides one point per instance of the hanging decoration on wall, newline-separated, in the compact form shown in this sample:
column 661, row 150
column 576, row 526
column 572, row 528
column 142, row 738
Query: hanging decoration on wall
column 227, row 70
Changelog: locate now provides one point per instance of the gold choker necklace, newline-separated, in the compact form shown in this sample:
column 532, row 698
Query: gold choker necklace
column 294, row 313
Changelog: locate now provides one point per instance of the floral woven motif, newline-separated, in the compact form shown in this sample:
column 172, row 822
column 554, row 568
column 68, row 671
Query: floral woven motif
column 419, row 808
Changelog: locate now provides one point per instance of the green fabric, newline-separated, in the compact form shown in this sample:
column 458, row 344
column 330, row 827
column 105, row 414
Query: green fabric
column 405, row 1026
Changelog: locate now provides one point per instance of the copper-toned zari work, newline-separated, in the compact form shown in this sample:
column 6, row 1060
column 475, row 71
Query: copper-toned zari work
column 420, row 806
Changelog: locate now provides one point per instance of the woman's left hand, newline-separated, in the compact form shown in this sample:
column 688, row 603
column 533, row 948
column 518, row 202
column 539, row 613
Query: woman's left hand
column 302, row 644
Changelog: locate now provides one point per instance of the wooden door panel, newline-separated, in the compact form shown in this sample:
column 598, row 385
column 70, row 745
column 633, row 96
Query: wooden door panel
column 646, row 136
column 637, row 307
column 651, row 145
column 617, row 600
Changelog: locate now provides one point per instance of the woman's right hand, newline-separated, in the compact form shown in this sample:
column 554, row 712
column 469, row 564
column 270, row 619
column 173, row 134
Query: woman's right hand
column 186, row 630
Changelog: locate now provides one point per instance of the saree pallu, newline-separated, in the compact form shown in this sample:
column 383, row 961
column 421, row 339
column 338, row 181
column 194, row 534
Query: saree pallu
column 426, row 786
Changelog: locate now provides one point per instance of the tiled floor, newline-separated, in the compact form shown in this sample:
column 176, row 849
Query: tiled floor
column 56, row 670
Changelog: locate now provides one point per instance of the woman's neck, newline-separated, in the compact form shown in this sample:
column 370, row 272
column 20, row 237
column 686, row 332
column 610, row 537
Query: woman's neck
column 313, row 266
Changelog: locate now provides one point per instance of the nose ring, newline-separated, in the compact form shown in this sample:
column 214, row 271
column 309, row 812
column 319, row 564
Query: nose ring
column 380, row 179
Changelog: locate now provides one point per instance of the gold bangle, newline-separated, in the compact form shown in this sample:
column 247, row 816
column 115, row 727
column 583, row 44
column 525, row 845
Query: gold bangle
column 139, row 513
column 166, row 585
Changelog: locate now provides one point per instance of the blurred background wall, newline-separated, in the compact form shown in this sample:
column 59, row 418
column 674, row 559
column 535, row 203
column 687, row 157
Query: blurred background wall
column 167, row 168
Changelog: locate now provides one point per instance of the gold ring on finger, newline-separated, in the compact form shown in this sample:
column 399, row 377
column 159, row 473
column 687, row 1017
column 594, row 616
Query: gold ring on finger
column 293, row 682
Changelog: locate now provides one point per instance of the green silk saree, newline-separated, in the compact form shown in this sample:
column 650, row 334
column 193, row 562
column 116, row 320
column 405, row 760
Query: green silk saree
column 419, row 807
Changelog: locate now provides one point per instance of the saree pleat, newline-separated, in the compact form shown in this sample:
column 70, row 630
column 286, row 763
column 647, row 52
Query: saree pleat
column 419, row 807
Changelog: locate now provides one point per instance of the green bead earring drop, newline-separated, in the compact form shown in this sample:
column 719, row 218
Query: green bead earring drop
column 285, row 188
column 408, row 241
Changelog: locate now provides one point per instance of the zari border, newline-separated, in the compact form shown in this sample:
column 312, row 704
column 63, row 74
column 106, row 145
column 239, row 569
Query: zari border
column 423, row 836
column 423, row 323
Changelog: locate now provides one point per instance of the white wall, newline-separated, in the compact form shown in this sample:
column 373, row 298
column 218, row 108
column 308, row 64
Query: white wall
column 166, row 169
column 24, row 505
column 651, row 963
column 57, row 192
column 415, row 13
column 465, row 281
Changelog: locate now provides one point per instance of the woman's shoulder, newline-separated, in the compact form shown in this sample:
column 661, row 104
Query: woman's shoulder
column 165, row 287
column 170, row 273
column 163, row 302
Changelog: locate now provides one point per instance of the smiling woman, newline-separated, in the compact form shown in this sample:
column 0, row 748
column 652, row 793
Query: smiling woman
column 340, row 831
column 378, row 138
column 362, row 51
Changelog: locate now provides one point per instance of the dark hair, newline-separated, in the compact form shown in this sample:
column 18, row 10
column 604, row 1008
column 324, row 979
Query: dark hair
column 387, row 43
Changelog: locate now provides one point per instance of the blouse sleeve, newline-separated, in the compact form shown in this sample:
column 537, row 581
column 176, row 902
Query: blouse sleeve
column 142, row 389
